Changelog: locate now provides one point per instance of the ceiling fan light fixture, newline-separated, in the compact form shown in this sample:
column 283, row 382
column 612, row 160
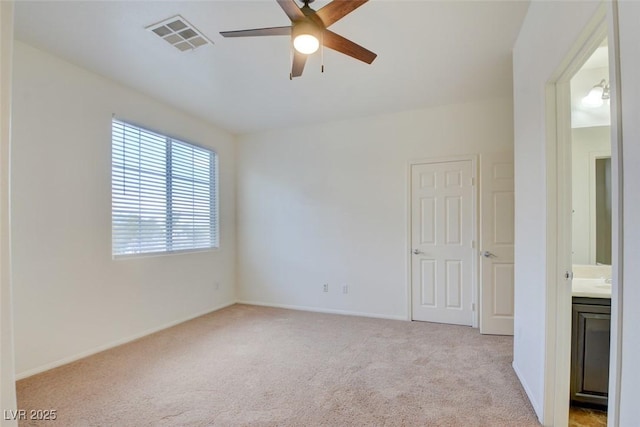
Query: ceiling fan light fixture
column 305, row 38
column 306, row 43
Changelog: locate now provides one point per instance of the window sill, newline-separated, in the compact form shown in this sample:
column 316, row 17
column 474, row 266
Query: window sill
column 163, row 254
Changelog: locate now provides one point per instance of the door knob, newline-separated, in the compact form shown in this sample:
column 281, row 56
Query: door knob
column 488, row 254
column 416, row 252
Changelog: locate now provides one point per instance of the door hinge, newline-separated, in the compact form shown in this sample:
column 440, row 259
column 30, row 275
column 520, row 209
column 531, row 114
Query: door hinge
column 473, row 306
column 568, row 275
column 473, row 182
column 473, row 244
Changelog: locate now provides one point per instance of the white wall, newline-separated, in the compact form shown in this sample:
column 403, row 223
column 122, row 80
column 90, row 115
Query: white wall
column 584, row 142
column 328, row 204
column 70, row 297
column 7, row 378
column 548, row 32
column 630, row 80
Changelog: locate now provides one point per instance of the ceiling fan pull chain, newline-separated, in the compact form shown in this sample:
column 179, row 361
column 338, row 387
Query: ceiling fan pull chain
column 322, row 52
column 291, row 59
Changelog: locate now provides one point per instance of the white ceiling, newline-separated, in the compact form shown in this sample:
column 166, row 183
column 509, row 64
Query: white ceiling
column 430, row 53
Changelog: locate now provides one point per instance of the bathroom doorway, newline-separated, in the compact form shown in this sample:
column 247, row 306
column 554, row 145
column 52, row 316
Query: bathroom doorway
column 560, row 245
column 591, row 237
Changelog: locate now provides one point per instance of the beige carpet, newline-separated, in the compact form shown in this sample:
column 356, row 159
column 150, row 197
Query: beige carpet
column 247, row 365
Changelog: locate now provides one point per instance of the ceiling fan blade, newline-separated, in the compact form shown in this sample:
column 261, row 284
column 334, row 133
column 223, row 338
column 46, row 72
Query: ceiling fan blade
column 299, row 59
column 273, row 31
column 337, row 10
column 291, row 9
column 340, row 44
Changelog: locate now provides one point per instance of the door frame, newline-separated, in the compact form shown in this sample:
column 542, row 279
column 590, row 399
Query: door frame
column 473, row 158
column 558, row 259
column 7, row 358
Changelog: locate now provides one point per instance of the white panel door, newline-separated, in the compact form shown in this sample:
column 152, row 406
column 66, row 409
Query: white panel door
column 441, row 241
column 496, row 248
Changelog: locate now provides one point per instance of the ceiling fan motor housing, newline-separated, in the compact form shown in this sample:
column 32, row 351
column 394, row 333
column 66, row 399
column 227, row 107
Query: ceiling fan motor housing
column 306, row 27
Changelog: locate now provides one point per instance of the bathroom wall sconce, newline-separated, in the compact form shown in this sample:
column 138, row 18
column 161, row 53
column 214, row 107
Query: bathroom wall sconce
column 597, row 95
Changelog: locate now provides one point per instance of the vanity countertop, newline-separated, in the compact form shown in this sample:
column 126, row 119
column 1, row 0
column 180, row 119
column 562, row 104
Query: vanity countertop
column 590, row 288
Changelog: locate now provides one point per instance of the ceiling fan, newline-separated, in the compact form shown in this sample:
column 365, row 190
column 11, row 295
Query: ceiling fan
column 308, row 30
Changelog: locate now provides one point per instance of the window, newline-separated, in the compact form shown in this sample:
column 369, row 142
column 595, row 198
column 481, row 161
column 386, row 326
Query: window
column 163, row 193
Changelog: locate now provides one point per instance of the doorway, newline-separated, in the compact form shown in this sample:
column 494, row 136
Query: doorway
column 591, row 197
column 562, row 315
column 442, row 240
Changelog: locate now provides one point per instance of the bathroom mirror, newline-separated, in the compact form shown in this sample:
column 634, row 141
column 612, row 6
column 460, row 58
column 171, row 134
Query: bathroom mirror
column 603, row 210
column 591, row 195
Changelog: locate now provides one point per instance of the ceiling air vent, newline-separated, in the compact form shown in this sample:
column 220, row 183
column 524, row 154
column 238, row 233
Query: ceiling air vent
column 179, row 33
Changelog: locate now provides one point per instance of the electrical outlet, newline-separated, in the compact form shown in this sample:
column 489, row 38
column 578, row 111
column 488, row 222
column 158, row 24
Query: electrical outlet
column 345, row 289
column 325, row 287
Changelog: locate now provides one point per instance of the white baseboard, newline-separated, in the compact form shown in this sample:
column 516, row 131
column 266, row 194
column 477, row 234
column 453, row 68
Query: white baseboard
column 325, row 310
column 527, row 390
column 66, row 360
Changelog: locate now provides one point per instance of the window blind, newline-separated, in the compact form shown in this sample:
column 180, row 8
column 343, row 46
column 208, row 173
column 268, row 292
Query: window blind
column 164, row 193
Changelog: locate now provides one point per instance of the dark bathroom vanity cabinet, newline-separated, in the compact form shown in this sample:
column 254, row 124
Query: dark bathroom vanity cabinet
column 591, row 332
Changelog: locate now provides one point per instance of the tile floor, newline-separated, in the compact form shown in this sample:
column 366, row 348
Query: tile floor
column 587, row 417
